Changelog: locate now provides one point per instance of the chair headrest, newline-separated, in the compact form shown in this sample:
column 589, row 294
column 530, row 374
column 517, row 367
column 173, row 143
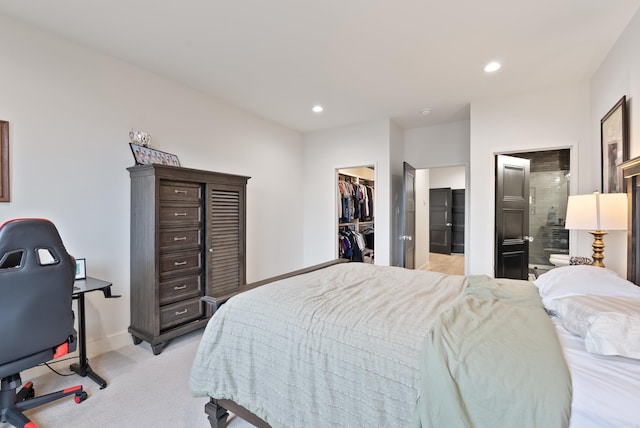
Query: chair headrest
column 30, row 235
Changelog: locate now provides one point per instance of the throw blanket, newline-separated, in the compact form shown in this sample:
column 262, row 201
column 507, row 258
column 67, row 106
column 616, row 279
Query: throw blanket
column 338, row 347
column 494, row 360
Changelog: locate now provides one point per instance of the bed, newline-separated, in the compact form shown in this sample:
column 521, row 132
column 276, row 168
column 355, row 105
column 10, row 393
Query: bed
column 363, row 345
column 357, row 345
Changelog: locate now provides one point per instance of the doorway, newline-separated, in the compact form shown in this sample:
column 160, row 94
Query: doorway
column 355, row 189
column 428, row 179
column 548, row 191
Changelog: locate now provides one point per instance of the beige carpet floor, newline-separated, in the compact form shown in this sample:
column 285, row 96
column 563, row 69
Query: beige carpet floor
column 143, row 391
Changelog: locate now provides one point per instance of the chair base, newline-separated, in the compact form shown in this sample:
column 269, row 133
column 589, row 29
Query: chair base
column 13, row 404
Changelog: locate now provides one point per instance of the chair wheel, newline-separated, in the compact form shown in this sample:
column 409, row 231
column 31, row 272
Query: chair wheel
column 80, row 397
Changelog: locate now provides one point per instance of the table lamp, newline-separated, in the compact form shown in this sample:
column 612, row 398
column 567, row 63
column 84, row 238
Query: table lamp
column 597, row 213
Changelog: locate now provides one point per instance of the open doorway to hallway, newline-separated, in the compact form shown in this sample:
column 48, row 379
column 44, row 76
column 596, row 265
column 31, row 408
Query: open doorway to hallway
column 440, row 219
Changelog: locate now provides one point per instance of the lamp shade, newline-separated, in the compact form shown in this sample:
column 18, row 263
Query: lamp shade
column 606, row 211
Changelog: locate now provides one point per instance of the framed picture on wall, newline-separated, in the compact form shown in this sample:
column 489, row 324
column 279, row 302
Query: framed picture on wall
column 614, row 146
column 4, row 161
column 81, row 268
column 145, row 155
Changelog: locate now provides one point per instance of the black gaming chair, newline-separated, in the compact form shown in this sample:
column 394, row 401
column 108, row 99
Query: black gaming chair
column 36, row 318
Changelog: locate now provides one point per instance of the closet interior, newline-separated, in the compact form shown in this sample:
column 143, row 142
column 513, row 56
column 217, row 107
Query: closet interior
column 356, row 231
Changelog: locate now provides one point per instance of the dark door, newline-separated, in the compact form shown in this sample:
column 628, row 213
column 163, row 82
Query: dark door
column 409, row 220
column 457, row 216
column 512, row 217
column 440, row 210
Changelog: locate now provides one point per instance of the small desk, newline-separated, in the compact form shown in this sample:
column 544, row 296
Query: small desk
column 80, row 288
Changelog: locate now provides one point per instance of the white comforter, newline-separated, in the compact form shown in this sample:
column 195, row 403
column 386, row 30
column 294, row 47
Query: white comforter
column 335, row 347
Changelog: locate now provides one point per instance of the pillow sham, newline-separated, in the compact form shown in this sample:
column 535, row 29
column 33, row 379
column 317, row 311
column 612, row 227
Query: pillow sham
column 582, row 280
column 608, row 325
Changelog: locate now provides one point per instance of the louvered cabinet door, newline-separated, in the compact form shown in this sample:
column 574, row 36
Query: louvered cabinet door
column 226, row 239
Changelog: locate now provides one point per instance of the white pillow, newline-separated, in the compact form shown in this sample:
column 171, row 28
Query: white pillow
column 582, row 280
column 608, row 325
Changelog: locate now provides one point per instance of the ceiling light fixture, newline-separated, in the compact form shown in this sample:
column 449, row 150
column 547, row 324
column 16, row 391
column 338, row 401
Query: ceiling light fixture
column 492, row 66
column 317, row 109
column 425, row 111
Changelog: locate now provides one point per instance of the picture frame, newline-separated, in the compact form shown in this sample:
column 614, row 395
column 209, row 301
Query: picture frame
column 4, row 161
column 145, row 156
column 614, row 147
column 81, row 269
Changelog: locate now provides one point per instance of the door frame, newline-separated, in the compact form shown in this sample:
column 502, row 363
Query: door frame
column 573, row 186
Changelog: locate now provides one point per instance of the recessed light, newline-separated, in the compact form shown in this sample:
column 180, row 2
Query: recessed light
column 492, row 66
column 425, row 111
column 317, row 109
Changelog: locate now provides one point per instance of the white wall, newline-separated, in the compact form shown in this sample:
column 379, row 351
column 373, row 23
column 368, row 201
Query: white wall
column 422, row 217
column 548, row 119
column 440, row 145
column 70, row 112
column 618, row 75
column 453, row 177
column 326, row 151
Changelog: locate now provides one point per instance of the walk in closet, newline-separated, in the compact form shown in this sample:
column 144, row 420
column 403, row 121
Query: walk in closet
column 356, row 219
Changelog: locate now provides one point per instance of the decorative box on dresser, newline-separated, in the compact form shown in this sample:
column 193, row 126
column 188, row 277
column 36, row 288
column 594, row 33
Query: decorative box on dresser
column 187, row 241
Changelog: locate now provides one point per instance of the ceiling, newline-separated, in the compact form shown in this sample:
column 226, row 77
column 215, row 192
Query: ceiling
column 362, row 60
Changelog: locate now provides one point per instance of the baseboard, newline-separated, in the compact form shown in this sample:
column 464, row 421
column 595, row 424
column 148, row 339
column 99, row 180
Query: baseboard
column 107, row 344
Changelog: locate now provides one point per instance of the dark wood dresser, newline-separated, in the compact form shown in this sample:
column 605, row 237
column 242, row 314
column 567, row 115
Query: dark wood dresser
column 187, row 241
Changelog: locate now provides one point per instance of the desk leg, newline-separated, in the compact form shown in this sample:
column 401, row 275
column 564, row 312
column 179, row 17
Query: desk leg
column 83, row 368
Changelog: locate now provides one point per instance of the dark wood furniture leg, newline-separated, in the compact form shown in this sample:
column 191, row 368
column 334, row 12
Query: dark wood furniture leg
column 218, row 412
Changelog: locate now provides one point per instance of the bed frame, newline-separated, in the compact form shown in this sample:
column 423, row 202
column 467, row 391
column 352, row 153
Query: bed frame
column 631, row 174
column 218, row 410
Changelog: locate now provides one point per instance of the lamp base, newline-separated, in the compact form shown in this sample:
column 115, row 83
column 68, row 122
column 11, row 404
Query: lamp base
column 598, row 247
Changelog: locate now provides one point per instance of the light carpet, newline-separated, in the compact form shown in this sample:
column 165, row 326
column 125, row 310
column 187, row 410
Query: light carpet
column 144, row 390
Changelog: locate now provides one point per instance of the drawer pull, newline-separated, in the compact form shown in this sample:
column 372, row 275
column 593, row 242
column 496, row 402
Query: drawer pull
column 180, row 287
column 182, row 312
column 180, row 214
column 181, row 238
column 180, row 191
column 179, row 263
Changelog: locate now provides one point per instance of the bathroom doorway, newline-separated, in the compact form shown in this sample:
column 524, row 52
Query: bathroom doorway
column 549, row 187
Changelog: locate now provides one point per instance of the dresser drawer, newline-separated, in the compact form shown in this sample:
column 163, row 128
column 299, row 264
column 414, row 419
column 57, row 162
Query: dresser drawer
column 184, row 263
column 180, row 289
column 180, row 239
column 180, row 312
column 179, row 191
column 180, row 215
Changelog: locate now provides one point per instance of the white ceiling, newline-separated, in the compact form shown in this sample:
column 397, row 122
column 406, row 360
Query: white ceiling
column 362, row 59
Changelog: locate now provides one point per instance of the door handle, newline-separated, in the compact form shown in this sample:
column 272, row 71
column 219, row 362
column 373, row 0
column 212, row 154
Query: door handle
column 528, row 238
column 449, row 224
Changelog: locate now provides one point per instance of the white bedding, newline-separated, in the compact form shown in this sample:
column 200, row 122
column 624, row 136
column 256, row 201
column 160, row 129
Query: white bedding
column 606, row 389
column 313, row 373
